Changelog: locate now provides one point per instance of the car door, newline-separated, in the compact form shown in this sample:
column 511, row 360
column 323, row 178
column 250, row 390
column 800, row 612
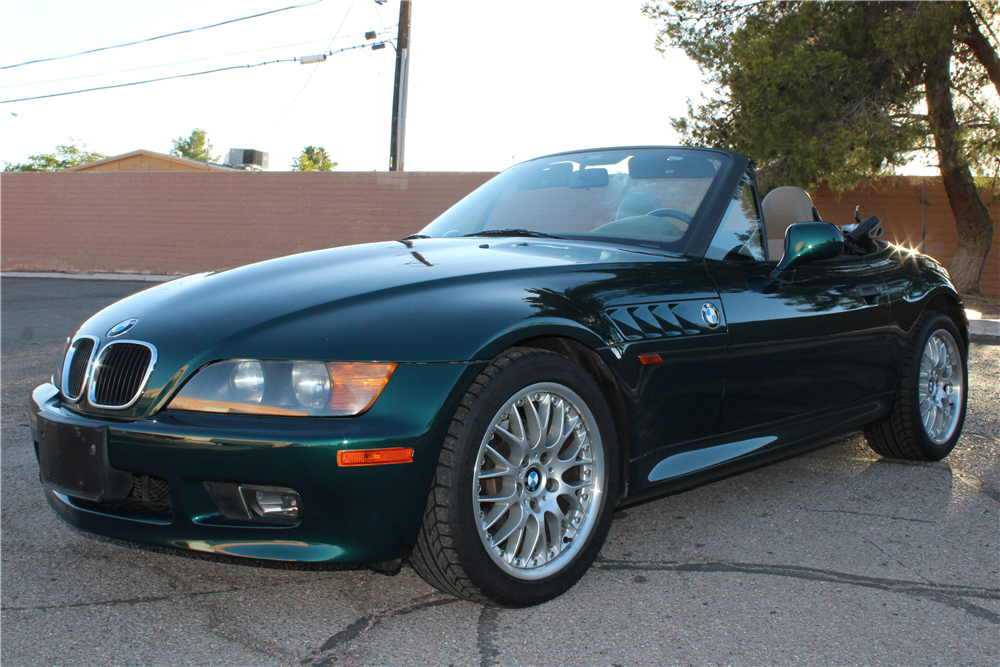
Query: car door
column 672, row 362
column 796, row 349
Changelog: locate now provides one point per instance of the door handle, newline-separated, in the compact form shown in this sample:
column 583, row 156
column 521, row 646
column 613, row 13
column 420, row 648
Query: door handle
column 869, row 293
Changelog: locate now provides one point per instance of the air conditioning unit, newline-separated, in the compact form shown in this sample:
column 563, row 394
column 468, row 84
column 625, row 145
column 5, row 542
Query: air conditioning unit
column 245, row 158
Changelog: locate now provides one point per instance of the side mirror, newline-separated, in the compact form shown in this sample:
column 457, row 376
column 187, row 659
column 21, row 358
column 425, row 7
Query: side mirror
column 808, row 242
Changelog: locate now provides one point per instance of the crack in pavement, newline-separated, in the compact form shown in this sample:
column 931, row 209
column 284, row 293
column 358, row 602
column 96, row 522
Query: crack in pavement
column 218, row 624
column 951, row 596
column 943, row 466
column 486, row 630
column 364, row 623
column 346, row 635
column 881, row 516
column 155, row 598
column 124, row 601
column 98, row 603
column 901, row 563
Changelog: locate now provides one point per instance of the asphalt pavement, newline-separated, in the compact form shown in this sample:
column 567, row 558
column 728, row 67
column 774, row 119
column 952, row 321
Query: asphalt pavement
column 835, row 557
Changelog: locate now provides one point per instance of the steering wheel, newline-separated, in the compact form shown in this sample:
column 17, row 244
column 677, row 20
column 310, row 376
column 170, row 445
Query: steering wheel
column 672, row 213
column 864, row 229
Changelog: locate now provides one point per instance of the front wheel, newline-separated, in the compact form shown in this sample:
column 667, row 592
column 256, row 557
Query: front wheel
column 525, row 484
column 929, row 407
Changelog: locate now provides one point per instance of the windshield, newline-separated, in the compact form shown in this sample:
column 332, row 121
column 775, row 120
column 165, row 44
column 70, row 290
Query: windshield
column 650, row 197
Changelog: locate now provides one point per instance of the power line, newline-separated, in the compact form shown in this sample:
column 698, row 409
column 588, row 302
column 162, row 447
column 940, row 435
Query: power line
column 306, row 84
column 182, row 62
column 137, row 83
column 145, row 67
column 379, row 15
column 179, row 76
column 151, row 39
column 341, row 26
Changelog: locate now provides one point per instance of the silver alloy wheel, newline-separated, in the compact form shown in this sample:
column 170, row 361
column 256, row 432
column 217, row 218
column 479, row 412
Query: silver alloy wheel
column 539, row 481
column 940, row 386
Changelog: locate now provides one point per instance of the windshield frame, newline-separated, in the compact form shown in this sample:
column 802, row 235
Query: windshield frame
column 704, row 219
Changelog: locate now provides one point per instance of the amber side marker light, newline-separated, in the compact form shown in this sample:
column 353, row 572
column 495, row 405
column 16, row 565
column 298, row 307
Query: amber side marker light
column 374, row 457
column 647, row 359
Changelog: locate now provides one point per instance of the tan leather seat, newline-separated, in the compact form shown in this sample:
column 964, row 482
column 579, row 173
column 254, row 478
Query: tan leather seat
column 782, row 207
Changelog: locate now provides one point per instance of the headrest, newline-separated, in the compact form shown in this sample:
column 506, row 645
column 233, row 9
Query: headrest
column 637, row 203
column 785, row 206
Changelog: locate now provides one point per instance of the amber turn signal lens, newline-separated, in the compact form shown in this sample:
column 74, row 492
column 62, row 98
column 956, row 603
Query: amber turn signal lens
column 356, row 385
column 374, row 457
column 647, row 359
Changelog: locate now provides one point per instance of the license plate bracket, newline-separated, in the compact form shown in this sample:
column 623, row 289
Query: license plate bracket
column 73, row 459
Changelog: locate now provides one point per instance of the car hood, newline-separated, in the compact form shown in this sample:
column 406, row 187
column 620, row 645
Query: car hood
column 423, row 300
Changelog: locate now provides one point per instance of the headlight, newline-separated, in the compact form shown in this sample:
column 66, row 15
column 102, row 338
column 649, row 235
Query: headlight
column 284, row 388
column 247, row 382
column 311, row 383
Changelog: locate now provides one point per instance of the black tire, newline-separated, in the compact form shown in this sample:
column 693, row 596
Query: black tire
column 455, row 550
column 904, row 434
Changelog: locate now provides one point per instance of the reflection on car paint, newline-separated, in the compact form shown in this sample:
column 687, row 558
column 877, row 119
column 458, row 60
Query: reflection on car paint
column 699, row 459
column 273, row 550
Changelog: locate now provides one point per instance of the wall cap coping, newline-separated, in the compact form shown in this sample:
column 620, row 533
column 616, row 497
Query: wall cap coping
column 140, row 277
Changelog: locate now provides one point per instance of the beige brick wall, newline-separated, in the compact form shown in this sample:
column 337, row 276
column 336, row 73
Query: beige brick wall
column 901, row 202
column 174, row 222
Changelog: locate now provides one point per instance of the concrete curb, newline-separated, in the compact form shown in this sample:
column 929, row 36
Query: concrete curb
column 984, row 327
column 976, row 327
column 136, row 277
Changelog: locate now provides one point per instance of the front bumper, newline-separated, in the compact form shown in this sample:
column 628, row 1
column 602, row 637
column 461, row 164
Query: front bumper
column 348, row 515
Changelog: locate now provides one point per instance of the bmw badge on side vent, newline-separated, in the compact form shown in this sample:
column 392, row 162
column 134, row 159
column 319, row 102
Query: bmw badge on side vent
column 710, row 314
column 121, row 328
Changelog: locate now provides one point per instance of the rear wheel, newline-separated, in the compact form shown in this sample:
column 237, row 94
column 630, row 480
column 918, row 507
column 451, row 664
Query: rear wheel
column 929, row 407
column 525, row 484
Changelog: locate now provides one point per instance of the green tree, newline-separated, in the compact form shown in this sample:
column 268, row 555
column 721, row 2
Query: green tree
column 64, row 157
column 847, row 91
column 195, row 147
column 313, row 158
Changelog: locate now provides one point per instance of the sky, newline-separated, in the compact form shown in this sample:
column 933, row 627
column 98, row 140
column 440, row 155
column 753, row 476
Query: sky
column 492, row 82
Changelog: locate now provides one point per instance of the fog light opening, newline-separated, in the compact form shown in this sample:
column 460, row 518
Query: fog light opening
column 242, row 504
column 272, row 504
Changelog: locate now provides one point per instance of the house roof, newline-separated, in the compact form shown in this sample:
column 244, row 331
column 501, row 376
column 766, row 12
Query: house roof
column 142, row 160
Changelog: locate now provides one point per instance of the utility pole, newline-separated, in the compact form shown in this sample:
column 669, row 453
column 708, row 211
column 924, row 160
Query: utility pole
column 399, row 89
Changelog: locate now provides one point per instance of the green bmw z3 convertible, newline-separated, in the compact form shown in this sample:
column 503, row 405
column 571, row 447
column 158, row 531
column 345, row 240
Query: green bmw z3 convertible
column 585, row 330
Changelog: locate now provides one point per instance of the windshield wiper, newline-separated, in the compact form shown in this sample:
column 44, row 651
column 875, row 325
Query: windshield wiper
column 414, row 236
column 513, row 232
